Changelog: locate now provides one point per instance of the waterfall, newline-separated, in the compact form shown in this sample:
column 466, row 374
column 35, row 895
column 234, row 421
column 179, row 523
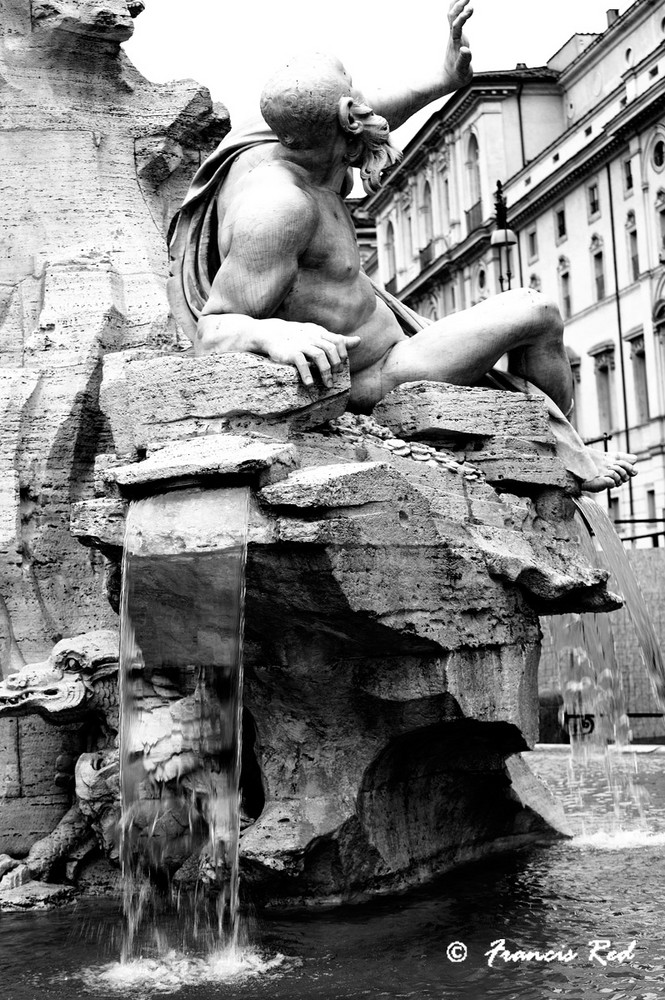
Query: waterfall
column 594, row 702
column 624, row 578
column 182, row 611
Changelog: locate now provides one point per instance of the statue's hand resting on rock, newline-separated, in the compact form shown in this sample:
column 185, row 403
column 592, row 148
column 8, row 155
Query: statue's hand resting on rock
column 290, row 284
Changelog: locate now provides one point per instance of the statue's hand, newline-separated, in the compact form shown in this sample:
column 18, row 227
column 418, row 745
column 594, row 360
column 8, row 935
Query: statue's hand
column 457, row 63
column 307, row 345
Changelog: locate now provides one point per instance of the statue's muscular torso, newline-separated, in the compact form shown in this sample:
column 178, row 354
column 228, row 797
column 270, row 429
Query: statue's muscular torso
column 288, row 250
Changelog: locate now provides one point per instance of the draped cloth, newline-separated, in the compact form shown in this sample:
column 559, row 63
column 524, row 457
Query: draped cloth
column 195, row 261
column 193, row 233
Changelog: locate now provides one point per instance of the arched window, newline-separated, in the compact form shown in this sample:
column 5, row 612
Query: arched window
column 428, row 217
column 473, row 169
column 390, row 251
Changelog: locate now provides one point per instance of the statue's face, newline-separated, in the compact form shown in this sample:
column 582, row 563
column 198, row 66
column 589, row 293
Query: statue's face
column 108, row 19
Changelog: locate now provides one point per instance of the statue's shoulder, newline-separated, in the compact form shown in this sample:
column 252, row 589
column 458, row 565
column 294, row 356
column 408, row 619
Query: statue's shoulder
column 268, row 184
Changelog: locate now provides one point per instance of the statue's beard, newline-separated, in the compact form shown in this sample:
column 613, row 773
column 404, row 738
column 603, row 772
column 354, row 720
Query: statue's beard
column 374, row 150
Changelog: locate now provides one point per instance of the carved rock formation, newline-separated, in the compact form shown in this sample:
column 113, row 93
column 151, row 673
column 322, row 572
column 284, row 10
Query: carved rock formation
column 94, row 161
column 392, row 636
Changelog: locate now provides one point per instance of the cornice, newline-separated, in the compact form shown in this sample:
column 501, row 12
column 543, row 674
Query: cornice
column 637, row 115
column 493, row 85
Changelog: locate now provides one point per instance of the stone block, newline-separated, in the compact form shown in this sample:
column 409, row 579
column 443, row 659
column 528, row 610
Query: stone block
column 209, row 457
column 99, row 523
column 437, row 411
column 349, row 484
column 172, row 397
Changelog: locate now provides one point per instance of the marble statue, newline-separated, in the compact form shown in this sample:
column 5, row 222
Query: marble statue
column 268, row 222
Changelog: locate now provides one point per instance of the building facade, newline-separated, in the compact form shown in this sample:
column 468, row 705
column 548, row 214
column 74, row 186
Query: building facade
column 579, row 147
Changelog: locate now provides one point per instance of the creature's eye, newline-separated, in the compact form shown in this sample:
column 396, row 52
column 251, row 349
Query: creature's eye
column 72, row 664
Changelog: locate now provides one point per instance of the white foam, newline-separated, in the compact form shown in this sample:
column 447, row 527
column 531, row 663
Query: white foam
column 621, row 840
column 174, row 970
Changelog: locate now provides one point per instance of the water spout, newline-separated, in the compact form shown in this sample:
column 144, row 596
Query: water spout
column 181, row 718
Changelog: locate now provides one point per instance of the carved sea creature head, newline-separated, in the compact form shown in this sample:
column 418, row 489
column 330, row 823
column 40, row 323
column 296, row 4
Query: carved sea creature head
column 311, row 99
column 111, row 20
column 59, row 688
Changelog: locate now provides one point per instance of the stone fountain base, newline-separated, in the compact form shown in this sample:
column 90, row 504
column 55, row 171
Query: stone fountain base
column 393, row 593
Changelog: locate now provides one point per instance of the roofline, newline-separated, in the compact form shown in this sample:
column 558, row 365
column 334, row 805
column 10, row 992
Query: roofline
column 445, row 118
column 639, row 6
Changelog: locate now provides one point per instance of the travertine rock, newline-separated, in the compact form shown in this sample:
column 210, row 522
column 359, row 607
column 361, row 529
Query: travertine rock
column 506, row 435
column 154, row 401
column 391, row 654
column 438, row 410
column 83, row 266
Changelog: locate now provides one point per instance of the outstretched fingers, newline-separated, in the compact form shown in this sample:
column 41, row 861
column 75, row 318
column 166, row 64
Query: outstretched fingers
column 458, row 14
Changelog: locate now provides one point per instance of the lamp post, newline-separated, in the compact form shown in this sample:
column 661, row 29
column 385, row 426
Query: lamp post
column 502, row 237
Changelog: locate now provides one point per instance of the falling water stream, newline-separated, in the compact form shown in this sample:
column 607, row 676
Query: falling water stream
column 181, row 694
column 181, row 712
column 594, row 703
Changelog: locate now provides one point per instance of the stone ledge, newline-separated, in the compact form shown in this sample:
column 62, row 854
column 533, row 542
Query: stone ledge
column 346, row 484
column 438, row 411
column 153, row 401
column 204, row 458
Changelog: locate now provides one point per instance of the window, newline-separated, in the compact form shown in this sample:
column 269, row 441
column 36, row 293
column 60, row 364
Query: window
column 566, row 303
column 633, row 256
column 603, row 358
column 658, row 154
column 391, row 263
column 473, row 170
column 628, row 182
column 598, row 264
column 564, row 287
column 446, row 200
column 599, row 275
column 560, row 224
column 660, row 209
column 593, row 199
column 639, row 367
column 428, row 219
column 532, row 245
column 659, row 331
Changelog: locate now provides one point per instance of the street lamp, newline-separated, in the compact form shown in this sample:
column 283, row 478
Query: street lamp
column 502, row 237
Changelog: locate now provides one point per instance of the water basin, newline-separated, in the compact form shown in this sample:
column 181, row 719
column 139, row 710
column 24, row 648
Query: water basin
column 604, row 885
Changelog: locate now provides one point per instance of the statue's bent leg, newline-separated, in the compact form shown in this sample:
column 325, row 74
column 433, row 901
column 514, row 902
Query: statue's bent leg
column 463, row 347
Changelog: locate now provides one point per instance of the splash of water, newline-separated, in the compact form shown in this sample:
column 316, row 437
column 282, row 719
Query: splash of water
column 181, row 716
column 173, row 971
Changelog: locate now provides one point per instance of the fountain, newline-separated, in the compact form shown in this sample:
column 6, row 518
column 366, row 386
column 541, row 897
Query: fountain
column 396, row 568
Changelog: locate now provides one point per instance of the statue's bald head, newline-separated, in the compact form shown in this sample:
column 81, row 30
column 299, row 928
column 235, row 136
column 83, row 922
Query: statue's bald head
column 300, row 102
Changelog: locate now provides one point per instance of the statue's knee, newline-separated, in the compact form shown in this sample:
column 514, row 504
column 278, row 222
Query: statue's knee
column 542, row 314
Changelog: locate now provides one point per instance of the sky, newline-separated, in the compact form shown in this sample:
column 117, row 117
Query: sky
column 230, row 46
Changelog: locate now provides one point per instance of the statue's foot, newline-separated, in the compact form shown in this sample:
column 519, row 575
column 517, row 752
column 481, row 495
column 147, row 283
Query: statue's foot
column 614, row 469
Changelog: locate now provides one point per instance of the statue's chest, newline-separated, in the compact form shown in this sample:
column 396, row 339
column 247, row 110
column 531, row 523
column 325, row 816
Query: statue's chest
column 334, row 247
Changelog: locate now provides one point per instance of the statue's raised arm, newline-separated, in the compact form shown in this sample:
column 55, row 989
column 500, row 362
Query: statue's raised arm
column 399, row 102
